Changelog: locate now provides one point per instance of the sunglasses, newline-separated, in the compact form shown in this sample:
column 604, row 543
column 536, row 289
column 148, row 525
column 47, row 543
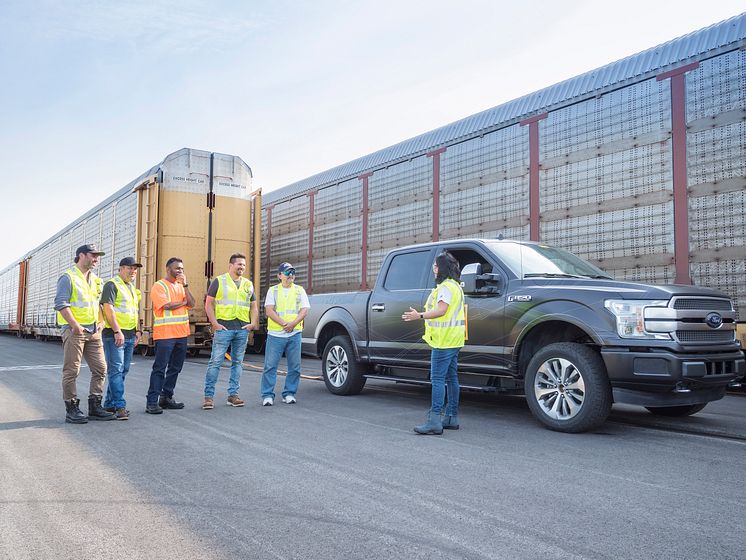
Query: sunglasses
column 290, row 272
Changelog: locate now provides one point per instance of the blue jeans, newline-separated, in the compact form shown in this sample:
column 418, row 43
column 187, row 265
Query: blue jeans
column 118, row 360
column 221, row 341
column 169, row 359
column 444, row 376
column 276, row 345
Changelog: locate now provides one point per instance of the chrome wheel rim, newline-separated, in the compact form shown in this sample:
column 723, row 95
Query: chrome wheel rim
column 337, row 366
column 559, row 389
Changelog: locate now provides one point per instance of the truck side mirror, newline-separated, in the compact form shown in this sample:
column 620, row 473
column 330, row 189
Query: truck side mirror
column 469, row 277
column 475, row 282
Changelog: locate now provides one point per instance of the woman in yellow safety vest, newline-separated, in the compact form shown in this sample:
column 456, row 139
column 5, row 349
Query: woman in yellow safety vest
column 445, row 333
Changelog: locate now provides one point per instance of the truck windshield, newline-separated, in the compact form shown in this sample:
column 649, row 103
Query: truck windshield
column 543, row 261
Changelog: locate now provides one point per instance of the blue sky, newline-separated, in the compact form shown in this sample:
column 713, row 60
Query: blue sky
column 95, row 92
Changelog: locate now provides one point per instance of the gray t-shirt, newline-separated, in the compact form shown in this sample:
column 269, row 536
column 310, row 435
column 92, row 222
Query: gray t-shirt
column 234, row 324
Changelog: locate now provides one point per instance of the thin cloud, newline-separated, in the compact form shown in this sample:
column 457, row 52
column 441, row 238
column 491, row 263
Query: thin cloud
column 166, row 26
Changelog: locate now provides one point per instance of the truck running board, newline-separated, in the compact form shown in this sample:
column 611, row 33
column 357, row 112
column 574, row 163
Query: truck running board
column 427, row 382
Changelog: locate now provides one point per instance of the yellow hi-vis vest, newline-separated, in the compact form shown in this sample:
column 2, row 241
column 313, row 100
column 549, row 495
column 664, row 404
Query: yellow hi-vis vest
column 126, row 305
column 449, row 330
column 168, row 317
column 233, row 302
column 84, row 297
column 286, row 306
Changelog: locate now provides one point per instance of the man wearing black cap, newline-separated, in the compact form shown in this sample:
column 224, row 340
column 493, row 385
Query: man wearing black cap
column 121, row 303
column 76, row 303
column 286, row 306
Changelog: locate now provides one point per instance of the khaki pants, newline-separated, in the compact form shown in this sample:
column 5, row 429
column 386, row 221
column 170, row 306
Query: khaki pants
column 75, row 347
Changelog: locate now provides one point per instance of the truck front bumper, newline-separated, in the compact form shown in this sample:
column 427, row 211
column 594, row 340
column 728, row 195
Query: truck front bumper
column 663, row 378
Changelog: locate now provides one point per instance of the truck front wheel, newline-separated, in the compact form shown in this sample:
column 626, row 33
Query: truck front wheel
column 676, row 411
column 342, row 374
column 567, row 387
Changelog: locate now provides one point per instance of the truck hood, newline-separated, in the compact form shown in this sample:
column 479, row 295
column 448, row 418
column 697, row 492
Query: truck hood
column 621, row 289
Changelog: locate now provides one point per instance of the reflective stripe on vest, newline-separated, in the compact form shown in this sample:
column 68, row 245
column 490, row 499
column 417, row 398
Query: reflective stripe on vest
column 126, row 305
column 179, row 316
column 447, row 331
column 284, row 307
column 84, row 297
column 233, row 302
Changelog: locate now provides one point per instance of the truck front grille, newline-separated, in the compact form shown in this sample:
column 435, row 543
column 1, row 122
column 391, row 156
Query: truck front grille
column 705, row 304
column 705, row 336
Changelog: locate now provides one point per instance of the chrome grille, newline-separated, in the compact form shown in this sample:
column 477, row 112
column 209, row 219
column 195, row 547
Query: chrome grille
column 705, row 304
column 706, row 336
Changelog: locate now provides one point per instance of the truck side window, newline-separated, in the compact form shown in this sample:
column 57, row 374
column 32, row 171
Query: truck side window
column 464, row 257
column 406, row 271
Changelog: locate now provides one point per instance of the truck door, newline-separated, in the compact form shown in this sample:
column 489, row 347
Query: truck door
column 390, row 338
column 485, row 345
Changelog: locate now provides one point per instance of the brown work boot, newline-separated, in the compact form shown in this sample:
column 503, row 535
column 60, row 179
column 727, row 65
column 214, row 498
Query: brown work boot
column 122, row 414
column 208, row 404
column 234, row 400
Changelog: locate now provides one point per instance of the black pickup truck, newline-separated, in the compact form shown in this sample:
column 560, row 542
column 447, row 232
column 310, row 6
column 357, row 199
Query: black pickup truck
column 540, row 322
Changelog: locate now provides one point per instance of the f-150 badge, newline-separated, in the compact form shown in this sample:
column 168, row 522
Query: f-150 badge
column 519, row 298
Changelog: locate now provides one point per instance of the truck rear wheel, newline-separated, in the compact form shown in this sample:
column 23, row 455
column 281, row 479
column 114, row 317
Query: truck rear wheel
column 674, row 411
column 342, row 374
column 567, row 387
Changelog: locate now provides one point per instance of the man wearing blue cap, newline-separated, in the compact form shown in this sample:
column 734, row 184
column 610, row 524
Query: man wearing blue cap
column 286, row 306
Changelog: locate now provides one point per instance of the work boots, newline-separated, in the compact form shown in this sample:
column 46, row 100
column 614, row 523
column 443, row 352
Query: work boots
column 96, row 411
column 450, row 422
column 74, row 414
column 434, row 425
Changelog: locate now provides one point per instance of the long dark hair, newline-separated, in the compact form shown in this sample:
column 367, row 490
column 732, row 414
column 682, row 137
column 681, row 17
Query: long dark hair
column 448, row 267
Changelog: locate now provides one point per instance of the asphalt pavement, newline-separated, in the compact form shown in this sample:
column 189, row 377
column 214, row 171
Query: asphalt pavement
column 345, row 477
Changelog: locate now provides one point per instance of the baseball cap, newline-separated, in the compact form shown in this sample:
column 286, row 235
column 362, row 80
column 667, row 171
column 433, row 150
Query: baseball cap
column 285, row 267
column 89, row 248
column 129, row 261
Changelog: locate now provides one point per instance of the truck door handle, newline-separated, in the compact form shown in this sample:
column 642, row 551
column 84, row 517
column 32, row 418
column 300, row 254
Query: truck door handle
column 378, row 307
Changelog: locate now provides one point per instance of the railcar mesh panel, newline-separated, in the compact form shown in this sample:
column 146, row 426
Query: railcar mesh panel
column 716, row 159
column 484, row 184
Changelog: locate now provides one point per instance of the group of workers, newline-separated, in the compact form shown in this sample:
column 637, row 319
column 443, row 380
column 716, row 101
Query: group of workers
column 99, row 322
column 82, row 300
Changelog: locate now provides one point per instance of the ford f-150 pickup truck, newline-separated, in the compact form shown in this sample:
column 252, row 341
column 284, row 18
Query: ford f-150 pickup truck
column 542, row 322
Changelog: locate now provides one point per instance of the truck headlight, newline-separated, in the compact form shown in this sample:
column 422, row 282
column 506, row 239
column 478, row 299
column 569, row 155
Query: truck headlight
column 630, row 317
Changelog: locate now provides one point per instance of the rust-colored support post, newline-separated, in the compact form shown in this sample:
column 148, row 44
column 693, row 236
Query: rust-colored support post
column 435, row 154
column 309, row 282
column 269, row 245
column 678, row 162
column 256, row 243
column 21, row 306
column 364, row 259
column 533, row 185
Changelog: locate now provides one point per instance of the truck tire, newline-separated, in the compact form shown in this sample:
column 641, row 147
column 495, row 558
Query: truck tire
column 342, row 374
column 675, row 411
column 567, row 387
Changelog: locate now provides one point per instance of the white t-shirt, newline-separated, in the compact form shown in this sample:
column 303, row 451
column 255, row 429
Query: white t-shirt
column 270, row 300
column 444, row 294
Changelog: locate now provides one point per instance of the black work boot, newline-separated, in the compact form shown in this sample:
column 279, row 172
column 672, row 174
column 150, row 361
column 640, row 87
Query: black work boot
column 74, row 414
column 96, row 412
column 169, row 403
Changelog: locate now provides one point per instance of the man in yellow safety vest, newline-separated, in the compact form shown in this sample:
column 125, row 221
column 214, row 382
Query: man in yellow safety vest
column 233, row 311
column 76, row 303
column 121, row 304
column 286, row 306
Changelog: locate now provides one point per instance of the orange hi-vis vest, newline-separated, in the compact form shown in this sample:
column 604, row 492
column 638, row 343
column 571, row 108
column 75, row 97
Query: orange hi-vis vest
column 169, row 323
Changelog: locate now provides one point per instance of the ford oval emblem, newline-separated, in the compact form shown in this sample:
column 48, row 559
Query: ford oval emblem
column 714, row 320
